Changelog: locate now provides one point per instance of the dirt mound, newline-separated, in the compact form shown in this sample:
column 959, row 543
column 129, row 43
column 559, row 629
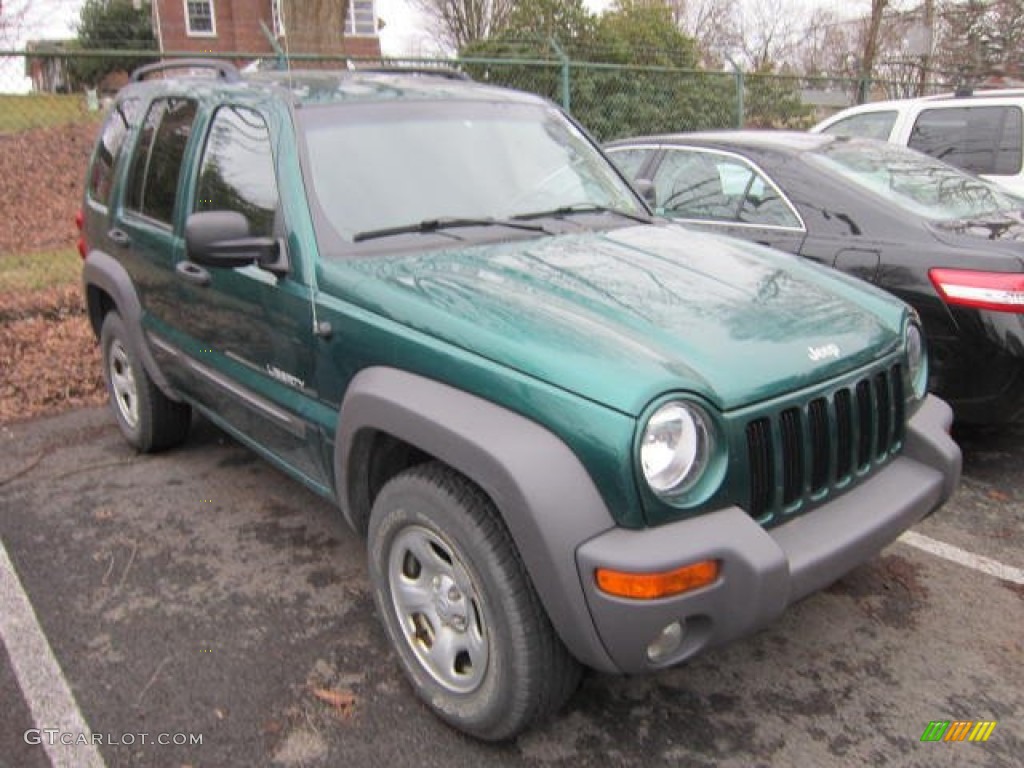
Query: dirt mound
column 42, row 172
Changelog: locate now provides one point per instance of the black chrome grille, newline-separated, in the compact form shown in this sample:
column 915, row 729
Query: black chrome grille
column 762, row 467
column 800, row 452
column 818, row 421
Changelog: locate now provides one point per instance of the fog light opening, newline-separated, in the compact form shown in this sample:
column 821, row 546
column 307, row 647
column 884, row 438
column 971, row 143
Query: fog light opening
column 666, row 644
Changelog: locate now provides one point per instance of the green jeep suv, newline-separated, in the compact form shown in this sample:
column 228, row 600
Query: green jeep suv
column 573, row 435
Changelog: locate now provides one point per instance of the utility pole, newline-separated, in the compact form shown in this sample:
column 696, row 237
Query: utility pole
column 926, row 57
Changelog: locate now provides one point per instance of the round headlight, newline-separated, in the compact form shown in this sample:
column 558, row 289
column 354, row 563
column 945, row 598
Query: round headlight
column 675, row 447
column 917, row 360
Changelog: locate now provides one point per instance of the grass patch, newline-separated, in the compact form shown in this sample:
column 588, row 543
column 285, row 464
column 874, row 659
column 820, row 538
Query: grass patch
column 36, row 271
column 20, row 112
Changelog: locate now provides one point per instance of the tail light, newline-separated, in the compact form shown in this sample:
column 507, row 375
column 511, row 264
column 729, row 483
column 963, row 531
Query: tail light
column 999, row 291
column 83, row 247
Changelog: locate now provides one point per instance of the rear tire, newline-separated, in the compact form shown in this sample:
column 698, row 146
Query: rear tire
column 148, row 419
column 458, row 606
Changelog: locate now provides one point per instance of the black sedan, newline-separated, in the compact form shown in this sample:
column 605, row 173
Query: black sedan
column 946, row 242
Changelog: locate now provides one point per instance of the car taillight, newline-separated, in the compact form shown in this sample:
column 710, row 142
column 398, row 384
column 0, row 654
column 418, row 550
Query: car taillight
column 1001, row 291
column 83, row 247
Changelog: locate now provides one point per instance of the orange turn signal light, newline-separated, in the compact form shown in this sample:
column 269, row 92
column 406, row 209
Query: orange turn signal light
column 651, row 586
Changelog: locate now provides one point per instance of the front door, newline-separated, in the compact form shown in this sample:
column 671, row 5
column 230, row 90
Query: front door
column 247, row 332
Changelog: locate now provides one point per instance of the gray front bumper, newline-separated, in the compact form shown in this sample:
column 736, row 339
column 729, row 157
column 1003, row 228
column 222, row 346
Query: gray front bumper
column 764, row 571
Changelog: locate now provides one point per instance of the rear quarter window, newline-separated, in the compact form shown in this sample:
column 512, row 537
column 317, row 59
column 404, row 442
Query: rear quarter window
column 978, row 139
column 122, row 118
column 869, row 125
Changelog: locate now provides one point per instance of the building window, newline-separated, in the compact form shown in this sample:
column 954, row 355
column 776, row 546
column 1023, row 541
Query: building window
column 200, row 19
column 361, row 19
column 278, row 18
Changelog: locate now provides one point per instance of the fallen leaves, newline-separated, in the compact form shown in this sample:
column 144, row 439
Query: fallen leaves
column 49, row 358
column 42, row 176
column 343, row 702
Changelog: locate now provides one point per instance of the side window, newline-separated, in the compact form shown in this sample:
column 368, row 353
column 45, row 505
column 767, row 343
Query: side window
column 869, row 125
column 764, row 206
column 977, row 139
column 690, row 185
column 156, row 164
column 237, row 172
column 629, row 161
column 116, row 128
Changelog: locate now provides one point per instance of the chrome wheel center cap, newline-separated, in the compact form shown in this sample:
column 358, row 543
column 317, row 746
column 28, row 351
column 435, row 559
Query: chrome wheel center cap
column 449, row 603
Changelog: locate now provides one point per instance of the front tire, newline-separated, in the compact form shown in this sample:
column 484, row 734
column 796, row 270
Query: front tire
column 459, row 608
column 148, row 419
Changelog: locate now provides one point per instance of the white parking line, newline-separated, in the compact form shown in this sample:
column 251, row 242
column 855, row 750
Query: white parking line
column 963, row 557
column 42, row 682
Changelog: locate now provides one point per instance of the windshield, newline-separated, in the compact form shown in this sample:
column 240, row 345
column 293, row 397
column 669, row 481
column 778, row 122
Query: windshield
column 915, row 182
column 393, row 165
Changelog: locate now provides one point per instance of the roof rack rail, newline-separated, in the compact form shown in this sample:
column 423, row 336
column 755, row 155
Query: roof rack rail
column 446, row 72
column 225, row 69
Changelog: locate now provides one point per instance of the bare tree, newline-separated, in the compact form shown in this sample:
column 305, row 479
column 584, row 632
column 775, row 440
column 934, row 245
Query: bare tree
column 870, row 49
column 456, row 23
column 713, row 24
column 771, row 32
column 926, row 59
column 827, row 45
column 977, row 39
column 12, row 19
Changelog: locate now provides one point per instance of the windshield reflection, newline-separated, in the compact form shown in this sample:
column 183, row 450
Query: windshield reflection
column 384, row 168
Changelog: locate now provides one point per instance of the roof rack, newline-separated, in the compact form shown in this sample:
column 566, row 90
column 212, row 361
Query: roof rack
column 225, row 70
column 446, row 72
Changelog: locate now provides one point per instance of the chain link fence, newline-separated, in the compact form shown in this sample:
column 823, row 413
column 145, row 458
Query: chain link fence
column 611, row 100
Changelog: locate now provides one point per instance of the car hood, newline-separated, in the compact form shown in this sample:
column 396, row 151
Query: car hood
column 625, row 316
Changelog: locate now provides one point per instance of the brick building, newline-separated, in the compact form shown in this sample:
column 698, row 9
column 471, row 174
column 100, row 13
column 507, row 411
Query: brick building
column 49, row 72
column 206, row 26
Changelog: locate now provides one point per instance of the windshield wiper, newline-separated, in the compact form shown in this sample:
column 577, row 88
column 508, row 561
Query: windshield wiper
column 435, row 225
column 566, row 210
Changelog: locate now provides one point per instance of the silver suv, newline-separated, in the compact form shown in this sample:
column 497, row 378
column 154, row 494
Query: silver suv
column 981, row 132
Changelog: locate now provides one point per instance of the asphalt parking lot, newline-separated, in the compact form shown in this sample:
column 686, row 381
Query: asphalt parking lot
column 204, row 610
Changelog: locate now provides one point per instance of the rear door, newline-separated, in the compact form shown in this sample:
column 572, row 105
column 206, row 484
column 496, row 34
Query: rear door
column 142, row 234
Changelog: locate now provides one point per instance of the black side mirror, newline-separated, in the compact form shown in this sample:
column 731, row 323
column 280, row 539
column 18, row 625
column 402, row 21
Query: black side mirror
column 645, row 188
column 222, row 239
